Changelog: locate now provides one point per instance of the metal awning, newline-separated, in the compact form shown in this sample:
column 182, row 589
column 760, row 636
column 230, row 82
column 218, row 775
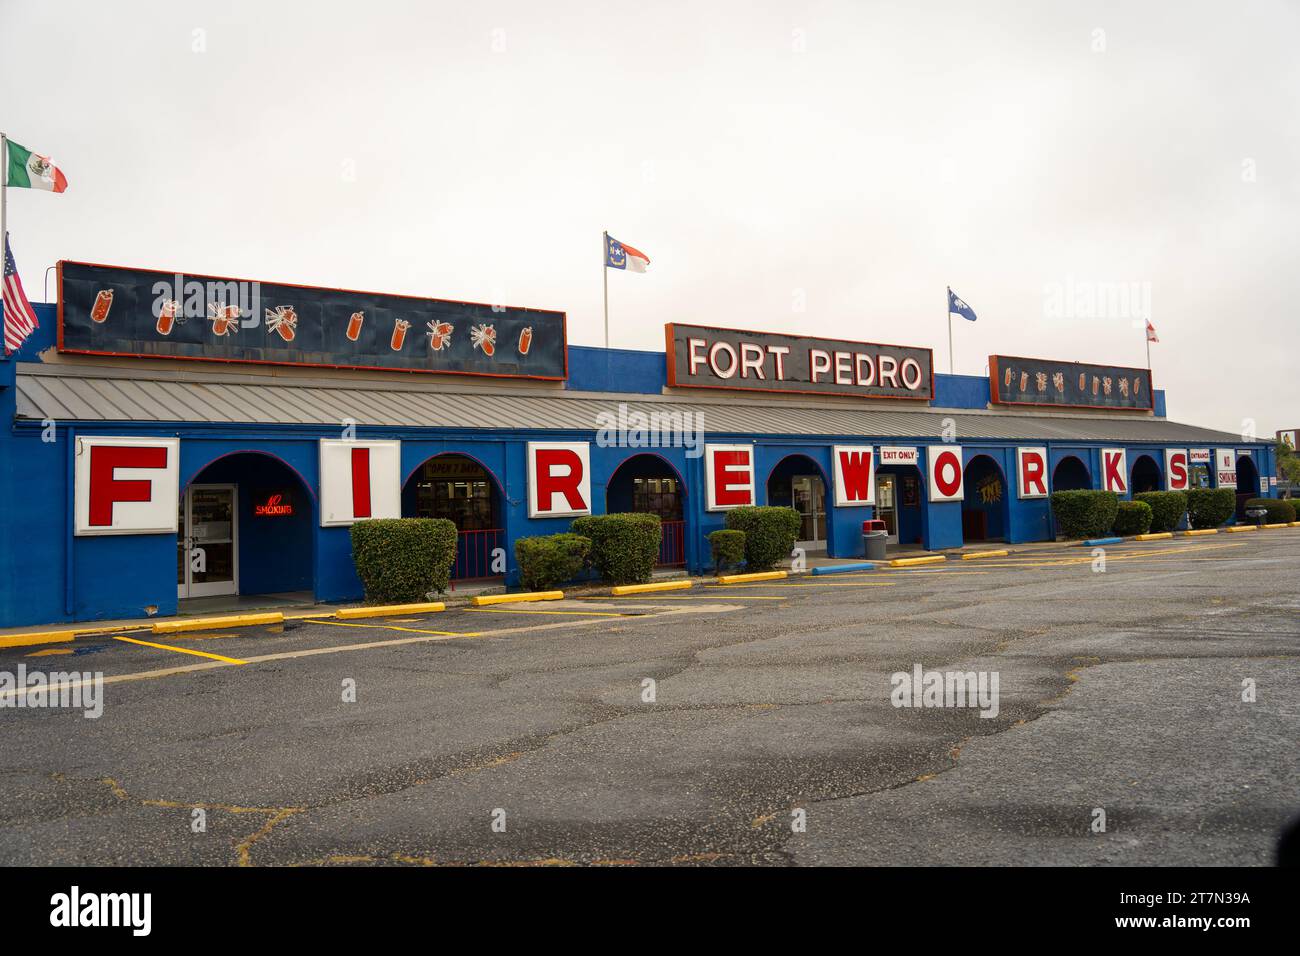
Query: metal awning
column 138, row 395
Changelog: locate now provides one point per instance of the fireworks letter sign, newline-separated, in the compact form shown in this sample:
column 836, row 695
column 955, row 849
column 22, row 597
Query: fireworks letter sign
column 1030, row 381
column 107, row 310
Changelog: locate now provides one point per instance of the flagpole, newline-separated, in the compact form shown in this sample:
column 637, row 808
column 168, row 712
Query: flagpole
column 604, row 274
column 951, row 361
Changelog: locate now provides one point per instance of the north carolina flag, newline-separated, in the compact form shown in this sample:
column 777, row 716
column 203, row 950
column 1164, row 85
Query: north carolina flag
column 620, row 256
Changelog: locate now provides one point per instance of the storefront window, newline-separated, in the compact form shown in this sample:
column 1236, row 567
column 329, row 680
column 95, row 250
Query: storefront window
column 1198, row 476
column 457, row 489
column 657, row 496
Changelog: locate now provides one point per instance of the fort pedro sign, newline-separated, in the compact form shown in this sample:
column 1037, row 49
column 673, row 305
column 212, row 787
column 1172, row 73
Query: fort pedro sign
column 704, row 357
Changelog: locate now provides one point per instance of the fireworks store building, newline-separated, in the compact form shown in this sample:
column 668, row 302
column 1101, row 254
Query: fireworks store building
column 166, row 438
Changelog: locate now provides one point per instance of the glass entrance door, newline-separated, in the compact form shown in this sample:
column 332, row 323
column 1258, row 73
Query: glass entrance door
column 887, row 504
column 207, row 552
column 809, row 496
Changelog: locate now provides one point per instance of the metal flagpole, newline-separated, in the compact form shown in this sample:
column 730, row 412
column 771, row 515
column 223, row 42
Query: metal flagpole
column 948, row 303
column 604, row 273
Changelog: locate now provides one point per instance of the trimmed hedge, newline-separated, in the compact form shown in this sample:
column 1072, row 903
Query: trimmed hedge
column 400, row 560
column 624, row 547
column 1167, row 508
column 1085, row 514
column 770, row 533
column 728, row 548
column 1133, row 517
column 1210, row 507
column 1278, row 509
column 546, row 561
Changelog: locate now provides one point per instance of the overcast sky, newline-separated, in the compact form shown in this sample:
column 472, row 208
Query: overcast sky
column 821, row 168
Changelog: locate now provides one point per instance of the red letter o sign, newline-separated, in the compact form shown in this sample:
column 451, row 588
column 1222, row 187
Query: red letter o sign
column 945, row 472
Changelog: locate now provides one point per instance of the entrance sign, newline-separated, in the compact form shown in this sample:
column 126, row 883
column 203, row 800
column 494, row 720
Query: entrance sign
column 126, row 485
column 893, row 455
column 1031, row 472
column 109, row 310
column 729, row 476
column 946, row 482
column 359, row 480
column 1225, row 468
column 855, row 476
column 1199, row 456
column 704, row 357
column 1114, row 470
column 559, row 479
column 1176, row 467
column 1030, row 381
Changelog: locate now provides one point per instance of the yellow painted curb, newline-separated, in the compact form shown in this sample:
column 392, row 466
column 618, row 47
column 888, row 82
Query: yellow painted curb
column 909, row 562
column 1293, row 524
column 756, row 576
column 36, row 637
column 1153, row 536
column 389, row 610
column 482, row 600
column 976, row 555
column 214, row 623
column 622, row 589
column 1199, row 531
column 1239, row 528
column 1279, row 524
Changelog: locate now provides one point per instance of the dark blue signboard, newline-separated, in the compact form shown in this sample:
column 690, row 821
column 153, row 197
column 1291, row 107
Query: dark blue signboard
column 107, row 310
column 1031, row 381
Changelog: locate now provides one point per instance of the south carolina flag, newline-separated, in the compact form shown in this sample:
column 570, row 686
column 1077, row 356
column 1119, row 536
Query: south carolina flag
column 619, row 256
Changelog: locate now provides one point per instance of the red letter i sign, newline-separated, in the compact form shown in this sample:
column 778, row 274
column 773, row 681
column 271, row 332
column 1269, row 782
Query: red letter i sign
column 359, row 480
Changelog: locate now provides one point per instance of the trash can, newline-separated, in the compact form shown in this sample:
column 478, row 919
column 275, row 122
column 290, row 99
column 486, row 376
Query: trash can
column 874, row 539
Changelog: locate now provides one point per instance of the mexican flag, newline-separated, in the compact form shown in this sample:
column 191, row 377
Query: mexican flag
column 31, row 171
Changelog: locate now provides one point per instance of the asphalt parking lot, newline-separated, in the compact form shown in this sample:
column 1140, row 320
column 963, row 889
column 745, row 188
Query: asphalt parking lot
column 749, row 724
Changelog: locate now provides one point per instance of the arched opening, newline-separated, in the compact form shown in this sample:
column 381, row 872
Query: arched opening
column 245, row 527
column 1070, row 474
column 460, row 489
column 1247, row 484
column 797, row 482
column 1145, row 475
column 648, row 484
column 984, row 507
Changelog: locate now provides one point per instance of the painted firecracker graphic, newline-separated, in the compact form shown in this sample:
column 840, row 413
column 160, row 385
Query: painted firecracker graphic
column 282, row 320
column 525, row 340
column 439, row 335
column 355, row 321
column 103, row 302
column 398, row 338
column 484, row 337
column 169, row 313
column 223, row 318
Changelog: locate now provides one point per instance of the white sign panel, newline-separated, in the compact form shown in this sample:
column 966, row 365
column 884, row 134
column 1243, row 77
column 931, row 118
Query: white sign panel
column 893, row 455
column 729, row 476
column 1225, row 468
column 126, row 485
column 559, row 479
column 1114, row 470
column 1176, row 469
column 855, row 476
column 1199, row 456
column 946, row 481
column 1031, row 472
column 359, row 480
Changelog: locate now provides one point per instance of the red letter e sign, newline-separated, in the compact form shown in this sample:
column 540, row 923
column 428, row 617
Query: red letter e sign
column 854, row 476
column 559, row 479
column 1114, row 470
column 126, row 485
column 1031, row 466
column 359, row 480
column 945, row 472
column 729, row 476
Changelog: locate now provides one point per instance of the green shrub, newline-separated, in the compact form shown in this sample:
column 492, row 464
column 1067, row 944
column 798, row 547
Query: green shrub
column 546, row 561
column 400, row 560
column 1133, row 517
column 770, row 534
column 1085, row 514
column 1167, row 508
column 728, row 548
column 624, row 547
column 1210, row 507
column 1278, row 510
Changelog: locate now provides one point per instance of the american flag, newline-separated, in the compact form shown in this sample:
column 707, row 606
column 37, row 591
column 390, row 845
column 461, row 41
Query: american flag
column 19, row 317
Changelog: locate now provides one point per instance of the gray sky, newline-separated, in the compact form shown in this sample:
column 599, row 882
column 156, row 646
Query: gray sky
column 825, row 168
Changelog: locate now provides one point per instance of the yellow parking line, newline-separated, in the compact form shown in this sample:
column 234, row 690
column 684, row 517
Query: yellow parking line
column 513, row 610
column 394, row 627
column 181, row 650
